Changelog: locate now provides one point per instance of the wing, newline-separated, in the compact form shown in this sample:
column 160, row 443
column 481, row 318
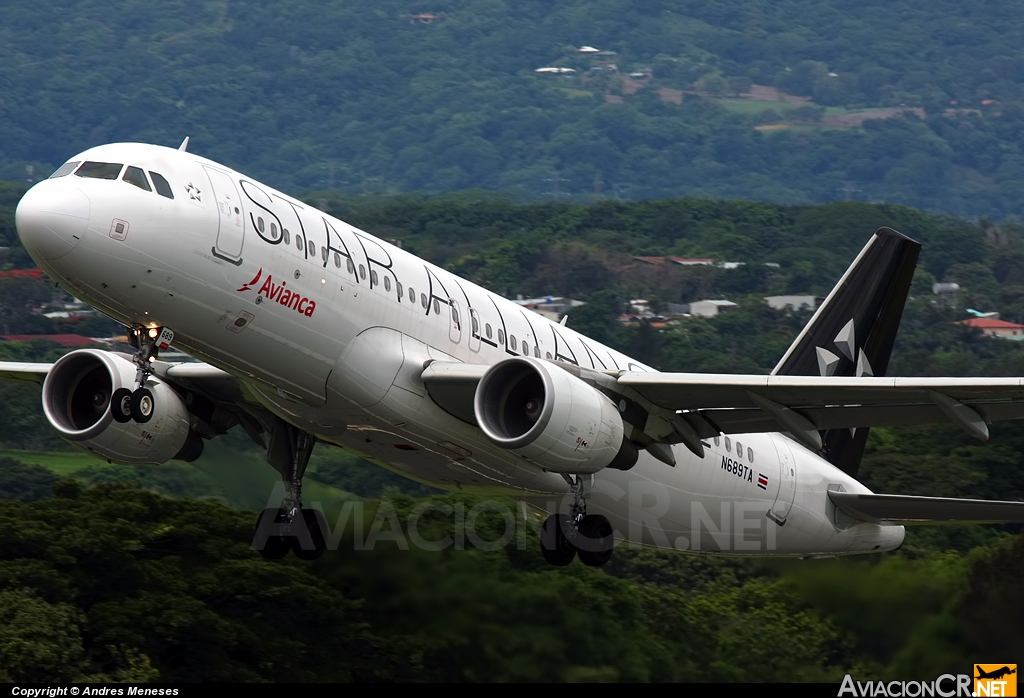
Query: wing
column 24, row 372
column 220, row 400
column 705, row 405
column 805, row 405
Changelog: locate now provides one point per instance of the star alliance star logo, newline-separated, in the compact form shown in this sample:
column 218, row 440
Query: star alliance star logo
column 193, row 191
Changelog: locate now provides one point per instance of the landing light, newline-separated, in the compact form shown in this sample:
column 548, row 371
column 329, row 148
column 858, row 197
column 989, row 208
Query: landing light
column 153, row 333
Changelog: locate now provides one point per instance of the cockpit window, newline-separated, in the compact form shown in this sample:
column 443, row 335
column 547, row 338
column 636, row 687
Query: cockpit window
column 135, row 175
column 99, row 170
column 65, row 169
column 162, row 187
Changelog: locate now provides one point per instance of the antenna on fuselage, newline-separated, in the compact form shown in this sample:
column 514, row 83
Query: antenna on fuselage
column 184, row 144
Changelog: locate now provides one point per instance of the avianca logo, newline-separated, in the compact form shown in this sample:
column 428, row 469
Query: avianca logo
column 255, row 279
column 280, row 294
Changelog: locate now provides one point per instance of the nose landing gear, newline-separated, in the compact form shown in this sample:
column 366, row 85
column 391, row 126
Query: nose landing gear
column 137, row 404
column 590, row 536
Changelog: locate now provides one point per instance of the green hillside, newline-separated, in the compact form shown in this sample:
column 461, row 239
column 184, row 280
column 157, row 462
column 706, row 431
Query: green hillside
column 800, row 101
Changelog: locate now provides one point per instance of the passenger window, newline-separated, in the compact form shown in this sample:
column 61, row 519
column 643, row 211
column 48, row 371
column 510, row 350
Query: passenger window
column 135, row 175
column 536, row 351
column 512, row 342
column 287, row 236
column 65, row 169
column 412, row 295
column 547, row 355
column 717, row 441
column 259, row 224
column 476, row 324
column 739, row 450
column 487, row 330
column 455, row 315
column 337, row 261
column 311, row 248
column 424, row 302
column 99, row 170
column 362, row 272
column 324, row 254
column 350, row 266
column 373, row 278
column 163, row 188
column 298, row 243
column 273, row 231
column 387, row 283
column 750, row 454
column 437, row 307
column 728, row 445
column 399, row 291
column 501, row 337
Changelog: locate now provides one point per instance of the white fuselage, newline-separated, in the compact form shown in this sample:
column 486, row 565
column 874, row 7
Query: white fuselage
column 330, row 328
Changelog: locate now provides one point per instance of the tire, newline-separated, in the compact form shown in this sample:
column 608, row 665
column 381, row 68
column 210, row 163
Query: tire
column 595, row 541
column 554, row 545
column 316, row 525
column 121, row 405
column 273, row 547
column 142, row 405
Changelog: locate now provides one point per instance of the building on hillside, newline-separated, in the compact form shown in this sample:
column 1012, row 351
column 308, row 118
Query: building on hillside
column 70, row 341
column 793, row 302
column 948, row 293
column 693, row 262
column 552, row 307
column 711, row 308
column 589, row 49
column 23, row 274
column 995, row 328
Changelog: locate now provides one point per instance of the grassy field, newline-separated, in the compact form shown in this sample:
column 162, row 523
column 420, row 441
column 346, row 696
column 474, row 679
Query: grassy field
column 60, row 462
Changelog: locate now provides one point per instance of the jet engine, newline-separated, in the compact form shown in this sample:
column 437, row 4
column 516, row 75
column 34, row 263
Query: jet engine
column 551, row 417
column 76, row 401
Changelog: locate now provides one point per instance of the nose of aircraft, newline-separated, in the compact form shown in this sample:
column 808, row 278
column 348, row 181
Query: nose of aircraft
column 51, row 218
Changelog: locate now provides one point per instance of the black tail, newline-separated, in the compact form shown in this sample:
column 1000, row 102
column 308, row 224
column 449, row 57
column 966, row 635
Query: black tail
column 853, row 332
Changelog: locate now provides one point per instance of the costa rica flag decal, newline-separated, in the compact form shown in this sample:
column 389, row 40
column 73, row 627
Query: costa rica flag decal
column 762, row 481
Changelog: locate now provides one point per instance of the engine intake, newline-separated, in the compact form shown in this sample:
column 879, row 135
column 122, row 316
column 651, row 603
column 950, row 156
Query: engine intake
column 76, row 401
column 551, row 417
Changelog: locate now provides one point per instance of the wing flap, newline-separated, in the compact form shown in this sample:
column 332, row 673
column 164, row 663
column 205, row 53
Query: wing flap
column 909, row 509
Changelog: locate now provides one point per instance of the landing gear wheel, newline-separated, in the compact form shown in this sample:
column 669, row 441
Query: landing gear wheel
column 595, row 540
column 274, row 547
column 554, row 545
column 142, row 405
column 121, row 405
column 315, row 525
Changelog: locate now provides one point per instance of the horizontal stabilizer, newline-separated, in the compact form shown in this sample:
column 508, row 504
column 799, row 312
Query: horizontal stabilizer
column 904, row 508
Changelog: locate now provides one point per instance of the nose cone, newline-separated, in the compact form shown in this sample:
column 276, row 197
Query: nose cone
column 51, row 218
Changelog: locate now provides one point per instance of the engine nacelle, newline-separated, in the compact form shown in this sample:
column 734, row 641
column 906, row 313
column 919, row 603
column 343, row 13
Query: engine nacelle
column 551, row 417
column 76, row 401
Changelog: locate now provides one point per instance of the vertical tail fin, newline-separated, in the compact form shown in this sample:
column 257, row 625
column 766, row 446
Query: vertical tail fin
column 853, row 331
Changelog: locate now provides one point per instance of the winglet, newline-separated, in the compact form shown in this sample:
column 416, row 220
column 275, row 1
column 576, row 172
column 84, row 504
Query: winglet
column 184, row 144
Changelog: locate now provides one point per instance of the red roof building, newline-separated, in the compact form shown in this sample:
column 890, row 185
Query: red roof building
column 23, row 273
column 995, row 328
column 64, row 340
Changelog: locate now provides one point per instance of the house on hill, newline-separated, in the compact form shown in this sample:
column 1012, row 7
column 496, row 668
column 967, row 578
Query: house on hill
column 995, row 328
column 69, row 341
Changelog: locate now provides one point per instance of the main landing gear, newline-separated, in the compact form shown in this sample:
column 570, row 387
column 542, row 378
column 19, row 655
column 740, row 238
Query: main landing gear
column 564, row 536
column 137, row 404
column 290, row 527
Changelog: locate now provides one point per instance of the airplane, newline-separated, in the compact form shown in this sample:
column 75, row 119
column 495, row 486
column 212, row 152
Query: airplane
column 996, row 673
column 308, row 330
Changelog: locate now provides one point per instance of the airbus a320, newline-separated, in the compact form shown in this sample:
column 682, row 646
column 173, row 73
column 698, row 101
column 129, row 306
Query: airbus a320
column 308, row 330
